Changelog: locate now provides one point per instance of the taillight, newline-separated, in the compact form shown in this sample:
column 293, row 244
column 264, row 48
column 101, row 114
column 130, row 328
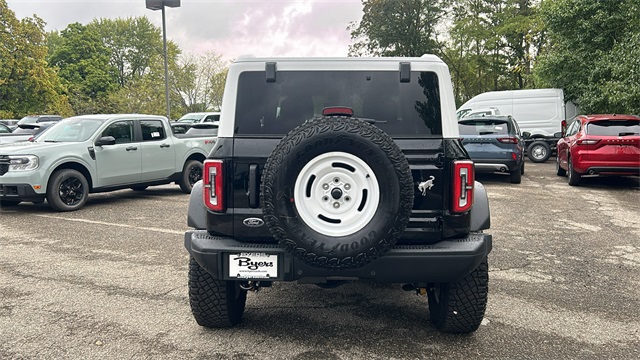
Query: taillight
column 463, row 180
column 587, row 141
column 508, row 140
column 212, row 179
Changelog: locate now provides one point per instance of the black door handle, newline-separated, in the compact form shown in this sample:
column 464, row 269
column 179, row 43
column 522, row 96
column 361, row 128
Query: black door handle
column 164, row 145
column 132, row 148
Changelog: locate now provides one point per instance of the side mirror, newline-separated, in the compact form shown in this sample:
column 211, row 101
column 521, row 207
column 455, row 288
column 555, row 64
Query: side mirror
column 558, row 135
column 106, row 140
column 526, row 135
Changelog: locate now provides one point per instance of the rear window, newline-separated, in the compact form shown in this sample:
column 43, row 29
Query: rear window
column 400, row 109
column 614, row 127
column 484, row 127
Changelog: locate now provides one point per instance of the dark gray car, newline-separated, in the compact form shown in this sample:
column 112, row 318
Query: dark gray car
column 495, row 145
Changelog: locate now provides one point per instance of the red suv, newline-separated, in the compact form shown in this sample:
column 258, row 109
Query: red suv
column 599, row 145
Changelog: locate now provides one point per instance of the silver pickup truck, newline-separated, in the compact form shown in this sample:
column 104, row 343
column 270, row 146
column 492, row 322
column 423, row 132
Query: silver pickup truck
column 98, row 153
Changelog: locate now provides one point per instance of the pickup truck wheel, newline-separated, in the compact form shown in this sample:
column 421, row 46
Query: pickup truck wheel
column 573, row 176
column 560, row 171
column 68, row 190
column 191, row 174
column 8, row 203
column 337, row 192
column 214, row 303
column 539, row 151
column 459, row 307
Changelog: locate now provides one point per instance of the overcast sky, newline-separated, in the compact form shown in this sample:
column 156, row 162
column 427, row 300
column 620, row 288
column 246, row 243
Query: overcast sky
column 228, row 27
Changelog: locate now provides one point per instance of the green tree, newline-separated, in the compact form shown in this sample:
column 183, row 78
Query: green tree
column 199, row 80
column 593, row 53
column 27, row 84
column 397, row 28
column 83, row 62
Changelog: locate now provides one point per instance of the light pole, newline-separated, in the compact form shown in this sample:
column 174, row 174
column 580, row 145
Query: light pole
column 160, row 5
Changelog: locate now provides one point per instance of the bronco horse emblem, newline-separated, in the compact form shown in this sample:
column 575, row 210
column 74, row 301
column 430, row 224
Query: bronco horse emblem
column 426, row 185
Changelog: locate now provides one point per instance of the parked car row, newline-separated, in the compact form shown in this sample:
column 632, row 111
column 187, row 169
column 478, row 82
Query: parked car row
column 591, row 145
column 97, row 153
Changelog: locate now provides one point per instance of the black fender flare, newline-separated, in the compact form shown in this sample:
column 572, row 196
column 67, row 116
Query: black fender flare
column 197, row 215
column 480, row 214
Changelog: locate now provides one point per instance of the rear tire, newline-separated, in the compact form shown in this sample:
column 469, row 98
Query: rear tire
column 191, row 174
column 560, row 171
column 574, row 177
column 214, row 303
column 539, row 151
column 522, row 168
column 459, row 307
column 516, row 175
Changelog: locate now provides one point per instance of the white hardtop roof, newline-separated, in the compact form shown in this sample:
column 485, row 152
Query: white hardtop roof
column 251, row 58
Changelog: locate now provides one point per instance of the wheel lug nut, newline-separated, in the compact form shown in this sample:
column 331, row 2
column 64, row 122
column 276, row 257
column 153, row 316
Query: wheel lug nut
column 347, row 186
column 336, row 205
column 347, row 198
column 336, row 180
column 325, row 186
column 325, row 198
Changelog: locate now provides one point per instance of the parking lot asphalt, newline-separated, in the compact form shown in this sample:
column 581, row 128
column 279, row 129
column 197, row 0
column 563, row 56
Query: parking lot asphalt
column 110, row 282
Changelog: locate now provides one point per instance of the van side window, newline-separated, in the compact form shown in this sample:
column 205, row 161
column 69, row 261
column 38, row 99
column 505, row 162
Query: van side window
column 152, row 130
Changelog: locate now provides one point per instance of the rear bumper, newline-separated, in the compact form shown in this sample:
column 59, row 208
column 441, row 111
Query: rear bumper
column 445, row 261
column 613, row 170
column 496, row 165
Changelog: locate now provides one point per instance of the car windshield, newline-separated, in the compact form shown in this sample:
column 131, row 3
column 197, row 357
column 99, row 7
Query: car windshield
column 75, row 129
column 483, row 127
column 28, row 120
column 614, row 127
column 26, row 129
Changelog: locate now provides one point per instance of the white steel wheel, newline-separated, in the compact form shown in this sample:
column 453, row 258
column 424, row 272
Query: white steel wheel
column 336, row 194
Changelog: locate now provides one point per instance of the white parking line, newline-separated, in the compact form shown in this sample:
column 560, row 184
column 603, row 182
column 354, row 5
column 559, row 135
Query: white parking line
column 166, row 231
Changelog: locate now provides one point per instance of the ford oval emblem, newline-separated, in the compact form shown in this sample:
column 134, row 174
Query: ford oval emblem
column 253, row 222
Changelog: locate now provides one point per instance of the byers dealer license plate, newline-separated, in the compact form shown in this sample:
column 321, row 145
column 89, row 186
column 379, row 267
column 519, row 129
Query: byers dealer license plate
column 253, row 266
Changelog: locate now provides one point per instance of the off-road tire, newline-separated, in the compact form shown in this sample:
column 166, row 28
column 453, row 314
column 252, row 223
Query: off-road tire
column 516, row 176
column 363, row 142
column 573, row 176
column 68, row 190
column 459, row 307
column 7, row 203
column 191, row 173
column 214, row 303
column 560, row 171
column 539, row 151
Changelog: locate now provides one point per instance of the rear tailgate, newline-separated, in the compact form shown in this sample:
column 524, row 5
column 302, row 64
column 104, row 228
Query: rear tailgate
column 617, row 142
column 425, row 157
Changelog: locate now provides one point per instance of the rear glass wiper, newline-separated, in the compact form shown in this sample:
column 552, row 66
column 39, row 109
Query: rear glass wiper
column 628, row 133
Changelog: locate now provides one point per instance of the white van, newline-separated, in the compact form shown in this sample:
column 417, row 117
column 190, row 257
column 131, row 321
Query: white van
column 539, row 112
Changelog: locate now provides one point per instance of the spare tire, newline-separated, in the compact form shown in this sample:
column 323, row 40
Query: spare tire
column 337, row 192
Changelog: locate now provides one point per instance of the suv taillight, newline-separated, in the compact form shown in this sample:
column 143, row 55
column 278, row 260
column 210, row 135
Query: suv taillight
column 212, row 179
column 508, row 140
column 463, row 180
column 587, row 141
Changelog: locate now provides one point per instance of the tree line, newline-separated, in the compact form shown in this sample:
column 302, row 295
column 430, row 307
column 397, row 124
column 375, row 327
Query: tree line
column 106, row 66
column 589, row 48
